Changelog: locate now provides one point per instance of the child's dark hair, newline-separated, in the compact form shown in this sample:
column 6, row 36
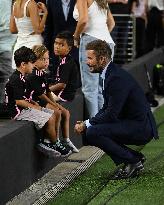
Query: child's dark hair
column 24, row 54
column 67, row 36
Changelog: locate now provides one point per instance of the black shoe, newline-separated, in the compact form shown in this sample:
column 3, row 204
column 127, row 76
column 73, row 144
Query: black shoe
column 48, row 149
column 59, row 147
column 142, row 157
column 56, row 149
column 117, row 173
column 131, row 170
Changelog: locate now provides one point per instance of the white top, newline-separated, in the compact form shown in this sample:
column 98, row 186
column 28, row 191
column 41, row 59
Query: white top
column 97, row 23
column 66, row 7
column 140, row 10
column 159, row 4
column 25, row 28
column 24, row 24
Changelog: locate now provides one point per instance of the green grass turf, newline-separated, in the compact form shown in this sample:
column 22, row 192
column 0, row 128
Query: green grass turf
column 94, row 188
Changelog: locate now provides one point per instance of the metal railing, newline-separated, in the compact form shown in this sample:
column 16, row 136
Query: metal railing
column 124, row 37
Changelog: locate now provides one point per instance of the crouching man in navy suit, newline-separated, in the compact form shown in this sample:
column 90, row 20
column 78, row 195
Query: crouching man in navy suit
column 125, row 119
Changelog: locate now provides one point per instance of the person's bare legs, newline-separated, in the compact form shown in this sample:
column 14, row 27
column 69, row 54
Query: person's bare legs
column 65, row 122
column 54, row 148
column 50, row 129
column 57, row 113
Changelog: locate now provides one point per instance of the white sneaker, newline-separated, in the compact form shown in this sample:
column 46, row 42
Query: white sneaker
column 71, row 145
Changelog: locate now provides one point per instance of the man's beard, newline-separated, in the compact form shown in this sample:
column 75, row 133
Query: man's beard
column 97, row 70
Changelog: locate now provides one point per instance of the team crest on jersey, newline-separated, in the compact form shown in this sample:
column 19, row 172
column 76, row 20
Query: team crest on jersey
column 43, row 85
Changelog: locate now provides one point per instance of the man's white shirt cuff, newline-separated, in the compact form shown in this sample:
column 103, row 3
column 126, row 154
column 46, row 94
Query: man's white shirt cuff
column 87, row 123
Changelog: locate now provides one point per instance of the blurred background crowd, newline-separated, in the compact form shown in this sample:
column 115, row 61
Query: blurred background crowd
column 136, row 27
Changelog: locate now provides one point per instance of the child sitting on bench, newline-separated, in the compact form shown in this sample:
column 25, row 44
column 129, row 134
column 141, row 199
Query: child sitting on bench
column 21, row 106
column 42, row 94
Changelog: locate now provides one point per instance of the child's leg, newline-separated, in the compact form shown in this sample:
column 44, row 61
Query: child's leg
column 65, row 121
column 64, row 125
column 65, row 128
column 54, row 148
column 55, row 97
column 50, row 129
column 47, row 121
column 57, row 114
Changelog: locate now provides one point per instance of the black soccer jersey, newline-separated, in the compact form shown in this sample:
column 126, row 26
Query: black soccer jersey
column 37, row 84
column 67, row 73
column 16, row 89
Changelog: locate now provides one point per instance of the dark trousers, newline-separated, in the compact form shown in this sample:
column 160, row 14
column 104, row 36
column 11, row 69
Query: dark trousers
column 140, row 37
column 155, row 30
column 113, row 140
column 5, row 72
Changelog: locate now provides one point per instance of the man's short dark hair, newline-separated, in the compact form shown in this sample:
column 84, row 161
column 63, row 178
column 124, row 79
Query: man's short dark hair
column 101, row 48
column 66, row 35
column 24, row 54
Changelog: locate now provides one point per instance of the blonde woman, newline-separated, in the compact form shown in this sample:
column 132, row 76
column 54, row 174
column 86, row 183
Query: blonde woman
column 27, row 23
column 95, row 21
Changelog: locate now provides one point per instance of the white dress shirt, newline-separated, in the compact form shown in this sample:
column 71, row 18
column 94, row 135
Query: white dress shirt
column 87, row 123
column 66, row 7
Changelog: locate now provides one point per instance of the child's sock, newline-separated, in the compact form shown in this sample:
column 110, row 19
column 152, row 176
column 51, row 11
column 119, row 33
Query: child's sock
column 47, row 140
column 66, row 139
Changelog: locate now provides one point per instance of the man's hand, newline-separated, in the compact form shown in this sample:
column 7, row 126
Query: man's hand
column 79, row 127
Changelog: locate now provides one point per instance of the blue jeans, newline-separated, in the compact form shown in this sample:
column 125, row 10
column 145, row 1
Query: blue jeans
column 91, row 82
column 5, row 72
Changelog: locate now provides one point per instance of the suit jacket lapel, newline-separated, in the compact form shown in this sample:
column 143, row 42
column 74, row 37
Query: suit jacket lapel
column 110, row 71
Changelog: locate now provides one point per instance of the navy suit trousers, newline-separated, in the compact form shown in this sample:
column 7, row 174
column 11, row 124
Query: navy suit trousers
column 112, row 139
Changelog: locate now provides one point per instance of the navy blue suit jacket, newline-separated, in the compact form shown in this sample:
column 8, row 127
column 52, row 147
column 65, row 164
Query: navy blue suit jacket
column 125, row 108
column 56, row 22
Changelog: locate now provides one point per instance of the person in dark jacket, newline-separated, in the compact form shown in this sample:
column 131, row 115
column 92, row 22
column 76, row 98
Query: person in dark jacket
column 125, row 118
column 60, row 18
